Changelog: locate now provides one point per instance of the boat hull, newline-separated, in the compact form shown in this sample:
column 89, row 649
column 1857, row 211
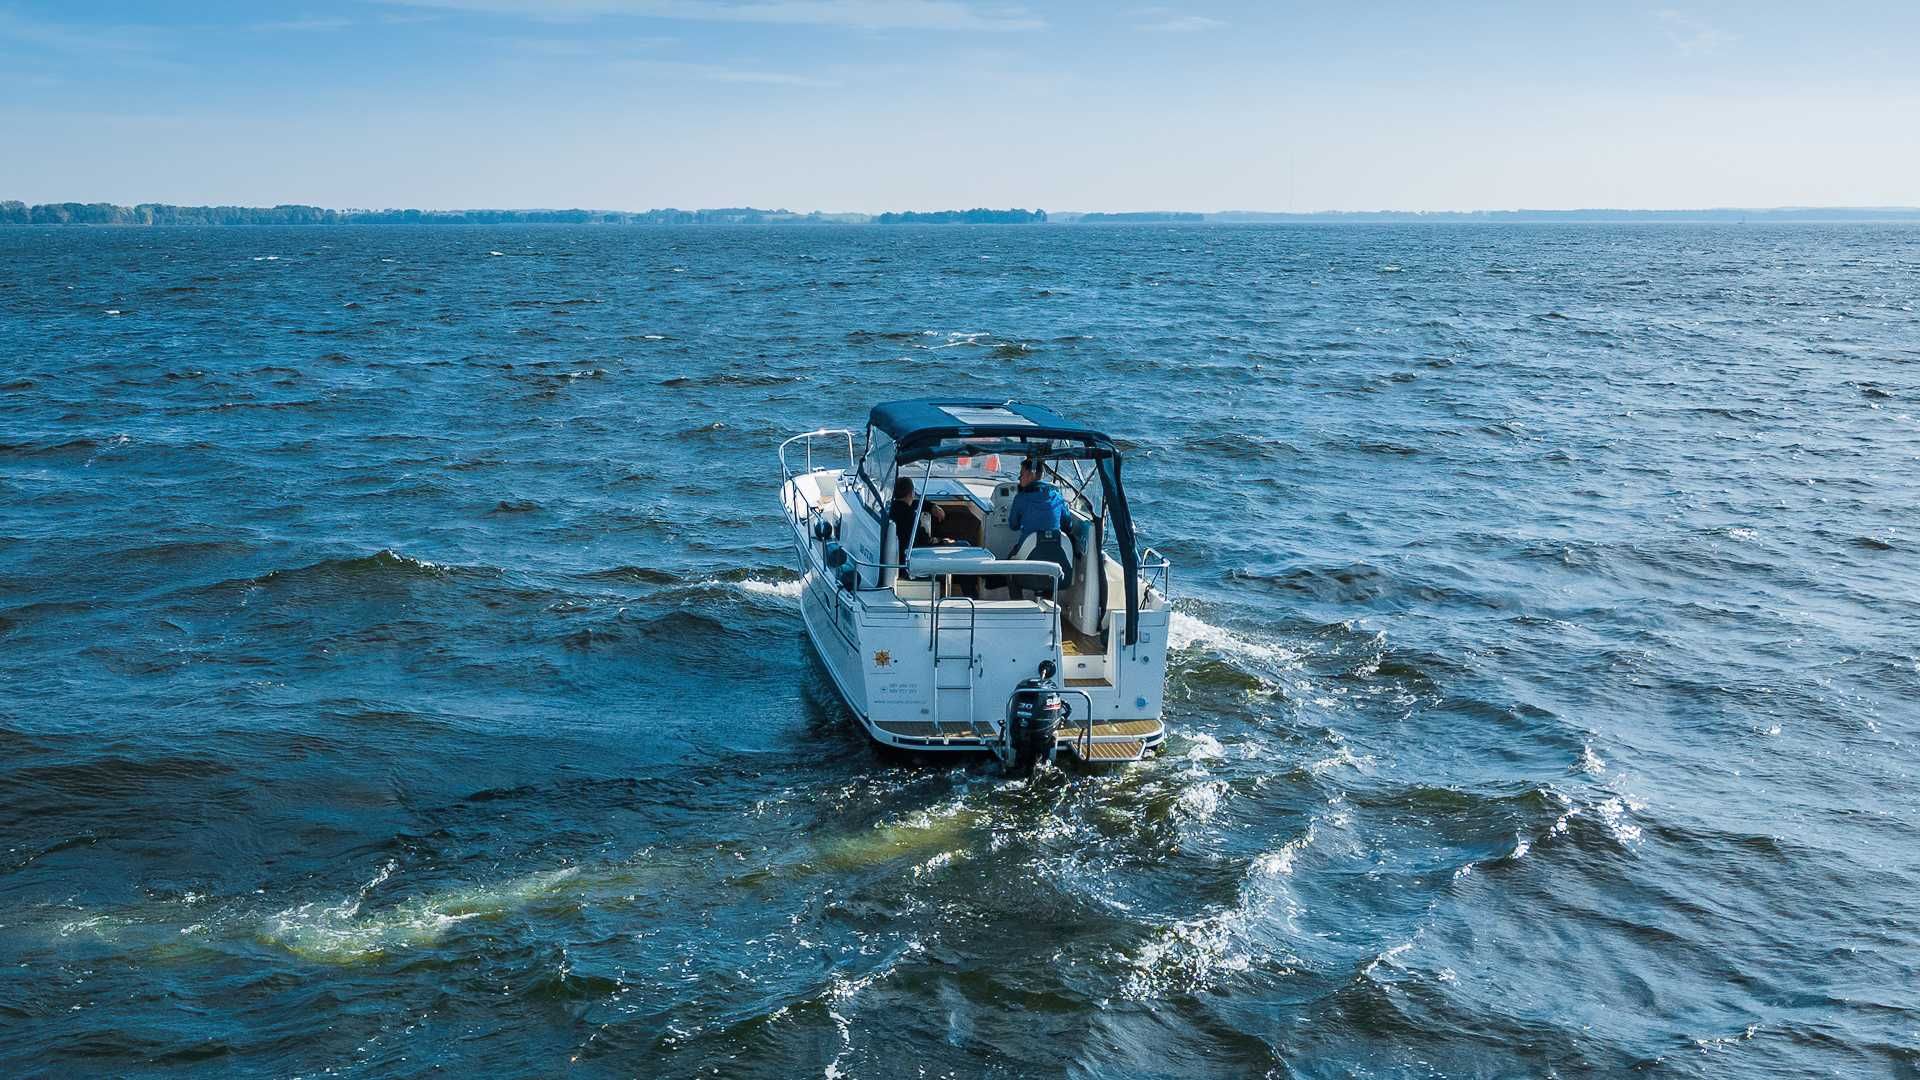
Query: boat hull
column 912, row 688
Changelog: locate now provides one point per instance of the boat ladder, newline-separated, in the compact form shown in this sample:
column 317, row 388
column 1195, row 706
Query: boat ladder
column 954, row 661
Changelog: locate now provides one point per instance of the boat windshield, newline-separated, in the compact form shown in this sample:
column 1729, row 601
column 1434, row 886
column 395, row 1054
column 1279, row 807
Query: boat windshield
column 969, row 467
column 1062, row 465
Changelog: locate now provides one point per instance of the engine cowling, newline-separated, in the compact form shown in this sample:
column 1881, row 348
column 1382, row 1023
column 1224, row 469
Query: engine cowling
column 1035, row 715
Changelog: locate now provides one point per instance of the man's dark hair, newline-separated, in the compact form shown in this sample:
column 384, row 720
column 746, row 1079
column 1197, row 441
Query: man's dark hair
column 903, row 488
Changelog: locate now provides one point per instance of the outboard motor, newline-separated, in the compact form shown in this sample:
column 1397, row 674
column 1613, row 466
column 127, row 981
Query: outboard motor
column 1035, row 715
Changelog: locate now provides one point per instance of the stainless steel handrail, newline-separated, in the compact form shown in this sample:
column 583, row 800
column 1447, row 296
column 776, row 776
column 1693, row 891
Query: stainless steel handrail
column 1156, row 566
column 1086, row 725
column 786, row 470
column 1086, row 735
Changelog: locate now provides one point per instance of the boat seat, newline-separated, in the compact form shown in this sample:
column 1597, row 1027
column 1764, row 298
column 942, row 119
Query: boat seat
column 909, row 589
column 1048, row 546
column 1081, row 596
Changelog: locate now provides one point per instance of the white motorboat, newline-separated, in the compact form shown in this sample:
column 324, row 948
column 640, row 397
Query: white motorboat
column 986, row 634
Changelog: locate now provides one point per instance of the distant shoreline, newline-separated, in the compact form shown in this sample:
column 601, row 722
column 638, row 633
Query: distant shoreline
column 167, row 214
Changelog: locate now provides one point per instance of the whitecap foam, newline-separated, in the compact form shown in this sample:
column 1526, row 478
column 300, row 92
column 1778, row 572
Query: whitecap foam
column 1186, row 631
column 1390, row 957
column 1205, row 748
column 1279, row 862
column 957, row 339
column 1194, row 953
column 1589, row 762
column 91, row 925
column 1613, row 814
column 841, row 997
column 785, row 590
column 1343, row 758
column 1199, row 802
column 937, row 863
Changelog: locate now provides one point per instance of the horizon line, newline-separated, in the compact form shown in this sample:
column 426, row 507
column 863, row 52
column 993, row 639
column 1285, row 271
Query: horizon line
column 1041, row 214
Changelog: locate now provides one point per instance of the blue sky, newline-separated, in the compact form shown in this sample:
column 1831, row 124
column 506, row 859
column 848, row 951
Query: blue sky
column 919, row 104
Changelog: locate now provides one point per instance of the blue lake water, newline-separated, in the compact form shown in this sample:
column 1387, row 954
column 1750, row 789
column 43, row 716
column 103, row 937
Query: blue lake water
column 400, row 668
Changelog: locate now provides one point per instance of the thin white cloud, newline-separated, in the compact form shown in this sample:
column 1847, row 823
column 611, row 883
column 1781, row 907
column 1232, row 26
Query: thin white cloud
column 305, row 25
column 720, row 73
column 1691, row 35
column 852, row 14
column 75, row 38
column 1183, row 24
column 132, row 47
column 585, row 48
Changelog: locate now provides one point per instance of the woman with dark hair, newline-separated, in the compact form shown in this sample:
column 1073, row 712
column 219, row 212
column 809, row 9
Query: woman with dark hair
column 907, row 532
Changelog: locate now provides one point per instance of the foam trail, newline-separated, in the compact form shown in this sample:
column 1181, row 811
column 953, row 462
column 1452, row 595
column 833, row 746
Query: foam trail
column 340, row 933
column 786, row 590
column 1186, row 631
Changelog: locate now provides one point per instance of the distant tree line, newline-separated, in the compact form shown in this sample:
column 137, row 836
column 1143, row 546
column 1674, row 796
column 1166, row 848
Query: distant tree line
column 14, row 212
column 1139, row 217
column 977, row 216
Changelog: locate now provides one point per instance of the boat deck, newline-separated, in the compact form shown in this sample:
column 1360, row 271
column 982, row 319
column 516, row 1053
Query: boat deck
column 1131, row 750
column 1110, row 741
column 1074, row 643
column 925, row 729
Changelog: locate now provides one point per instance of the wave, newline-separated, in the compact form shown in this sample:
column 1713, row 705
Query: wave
column 643, row 575
column 1239, row 447
column 732, row 379
column 1190, row 632
column 1195, row 954
column 385, row 564
column 80, row 445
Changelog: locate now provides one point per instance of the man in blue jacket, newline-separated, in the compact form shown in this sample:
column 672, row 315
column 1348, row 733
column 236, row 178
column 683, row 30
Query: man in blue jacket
column 1038, row 514
column 1037, row 506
